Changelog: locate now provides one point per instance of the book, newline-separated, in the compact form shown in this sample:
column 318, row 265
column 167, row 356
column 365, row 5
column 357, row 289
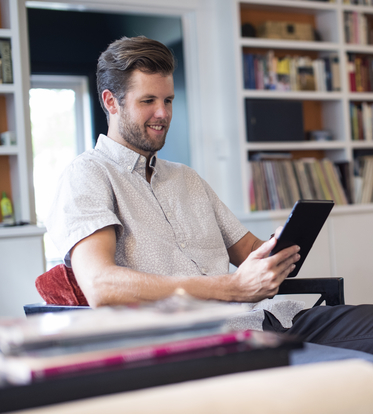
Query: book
column 358, row 79
column 344, row 172
column 305, row 75
column 367, row 174
column 273, row 198
column 178, row 313
column 328, row 74
column 6, row 73
column 283, row 74
column 313, row 178
column 27, row 368
column 351, row 70
column 336, row 74
column 291, row 181
column 304, row 186
column 334, row 182
column 249, row 71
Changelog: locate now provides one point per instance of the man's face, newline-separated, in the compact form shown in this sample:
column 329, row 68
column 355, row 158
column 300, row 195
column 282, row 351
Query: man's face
column 147, row 111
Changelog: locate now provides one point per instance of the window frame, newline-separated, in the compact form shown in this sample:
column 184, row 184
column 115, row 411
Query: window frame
column 83, row 120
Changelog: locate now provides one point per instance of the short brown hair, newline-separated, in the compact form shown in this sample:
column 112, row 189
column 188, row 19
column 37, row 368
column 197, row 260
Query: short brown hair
column 122, row 57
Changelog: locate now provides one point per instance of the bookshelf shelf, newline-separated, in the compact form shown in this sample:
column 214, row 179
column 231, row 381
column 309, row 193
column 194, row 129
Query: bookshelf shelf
column 300, row 95
column 7, row 89
column 360, row 96
column 357, row 8
column 281, row 215
column 21, row 231
column 299, row 146
column 357, row 48
column 6, row 33
column 291, row 5
column 362, row 144
column 9, row 150
column 289, row 44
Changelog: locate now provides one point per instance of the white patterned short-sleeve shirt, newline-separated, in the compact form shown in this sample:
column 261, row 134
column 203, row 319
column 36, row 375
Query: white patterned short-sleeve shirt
column 174, row 225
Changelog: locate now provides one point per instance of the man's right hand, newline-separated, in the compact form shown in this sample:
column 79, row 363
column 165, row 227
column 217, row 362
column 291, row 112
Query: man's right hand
column 260, row 276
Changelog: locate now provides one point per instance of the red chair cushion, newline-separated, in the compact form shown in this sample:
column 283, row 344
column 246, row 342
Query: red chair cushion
column 58, row 286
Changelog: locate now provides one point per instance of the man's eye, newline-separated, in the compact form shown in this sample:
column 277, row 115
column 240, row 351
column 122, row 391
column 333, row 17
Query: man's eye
column 148, row 101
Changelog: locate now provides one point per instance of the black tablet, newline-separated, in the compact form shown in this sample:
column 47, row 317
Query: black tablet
column 302, row 228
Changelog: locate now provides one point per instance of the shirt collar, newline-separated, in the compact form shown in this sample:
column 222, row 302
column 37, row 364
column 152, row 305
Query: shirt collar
column 127, row 159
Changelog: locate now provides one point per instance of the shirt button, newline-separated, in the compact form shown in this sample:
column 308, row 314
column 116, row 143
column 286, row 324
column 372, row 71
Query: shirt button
column 182, row 245
column 129, row 168
column 204, row 270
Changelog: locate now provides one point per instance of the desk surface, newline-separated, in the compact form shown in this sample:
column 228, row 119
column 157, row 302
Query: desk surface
column 185, row 367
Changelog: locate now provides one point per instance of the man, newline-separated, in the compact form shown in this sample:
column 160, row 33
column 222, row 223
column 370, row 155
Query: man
column 135, row 228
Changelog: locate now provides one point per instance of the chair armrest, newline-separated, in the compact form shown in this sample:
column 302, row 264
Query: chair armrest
column 42, row 307
column 331, row 289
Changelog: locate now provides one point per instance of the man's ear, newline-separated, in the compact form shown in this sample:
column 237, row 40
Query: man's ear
column 110, row 102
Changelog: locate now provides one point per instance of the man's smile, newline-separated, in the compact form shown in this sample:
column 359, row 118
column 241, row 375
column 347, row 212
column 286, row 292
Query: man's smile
column 157, row 127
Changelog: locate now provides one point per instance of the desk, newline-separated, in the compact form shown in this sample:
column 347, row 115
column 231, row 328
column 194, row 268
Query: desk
column 185, row 367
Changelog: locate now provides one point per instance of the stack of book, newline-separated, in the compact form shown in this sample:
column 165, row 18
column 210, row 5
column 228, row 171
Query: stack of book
column 52, row 346
column 360, row 72
column 291, row 73
column 278, row 184
column 364, row 180
column 361, row 118
column 358, row 28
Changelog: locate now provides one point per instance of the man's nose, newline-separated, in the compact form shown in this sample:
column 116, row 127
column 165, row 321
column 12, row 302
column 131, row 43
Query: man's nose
column 162, row 111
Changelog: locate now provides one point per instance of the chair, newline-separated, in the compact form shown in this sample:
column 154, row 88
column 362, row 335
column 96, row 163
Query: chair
column 61, row 292
column 331, row 289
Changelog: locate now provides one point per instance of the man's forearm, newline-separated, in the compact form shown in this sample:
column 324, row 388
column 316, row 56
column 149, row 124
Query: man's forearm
column 118, row 285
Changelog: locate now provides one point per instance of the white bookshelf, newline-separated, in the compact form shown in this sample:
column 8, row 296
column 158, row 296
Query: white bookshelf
column 17, row 112
column 21, row 247
column 344, row 244
column 329, row 20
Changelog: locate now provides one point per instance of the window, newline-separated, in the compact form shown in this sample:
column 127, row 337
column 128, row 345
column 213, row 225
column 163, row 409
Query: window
column 61, row 129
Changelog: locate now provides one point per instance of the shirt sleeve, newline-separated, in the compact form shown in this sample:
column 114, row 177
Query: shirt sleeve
column 231, row 228
column 84, row 203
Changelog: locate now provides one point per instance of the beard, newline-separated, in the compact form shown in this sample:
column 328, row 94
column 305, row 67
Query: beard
column 138, row 137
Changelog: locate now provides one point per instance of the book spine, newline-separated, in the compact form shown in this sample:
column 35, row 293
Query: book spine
column 6, row 61
column 144, row 353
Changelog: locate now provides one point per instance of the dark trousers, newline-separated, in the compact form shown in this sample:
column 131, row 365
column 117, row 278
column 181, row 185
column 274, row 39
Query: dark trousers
column 343, row 326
